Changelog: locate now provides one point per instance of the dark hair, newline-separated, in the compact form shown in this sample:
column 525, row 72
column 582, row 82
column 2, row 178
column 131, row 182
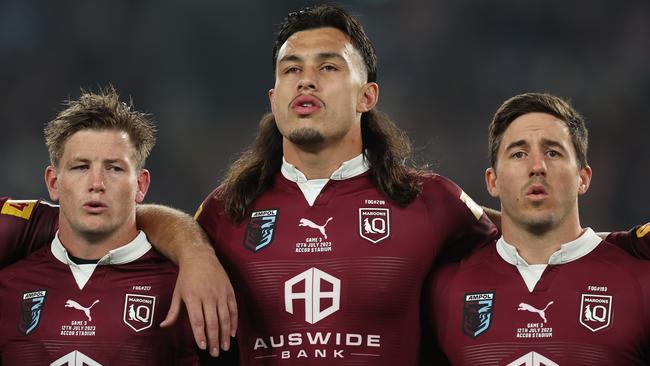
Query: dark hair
column 525, row 103
column 386, row 148
column 328, row 16
column 100, row 111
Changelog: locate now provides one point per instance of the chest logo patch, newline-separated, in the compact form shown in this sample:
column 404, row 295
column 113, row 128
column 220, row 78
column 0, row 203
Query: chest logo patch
column 30, row 310
column 541, row 312
column 532, row 359
column 260, row 229
column 75, row 358
column 477, row 313
column 313, row 225
column 139, row 311
column 374, row 224
column 595, row 311
column 86, row 310
column 320, row 288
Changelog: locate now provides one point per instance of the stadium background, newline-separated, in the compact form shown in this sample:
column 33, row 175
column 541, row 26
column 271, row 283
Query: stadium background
column 203, row 69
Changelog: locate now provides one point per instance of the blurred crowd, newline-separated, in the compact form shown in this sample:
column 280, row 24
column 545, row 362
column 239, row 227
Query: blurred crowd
column 203, row 70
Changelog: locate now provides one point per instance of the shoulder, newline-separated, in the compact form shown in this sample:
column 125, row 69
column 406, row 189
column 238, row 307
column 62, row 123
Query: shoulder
column 37, row 262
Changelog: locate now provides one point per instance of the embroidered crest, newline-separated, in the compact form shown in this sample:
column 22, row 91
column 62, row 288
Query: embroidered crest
column 260, row 229
column 139, row 311
column 374, row 224
column 595, row 311
column 477, row 313
column 30, row 310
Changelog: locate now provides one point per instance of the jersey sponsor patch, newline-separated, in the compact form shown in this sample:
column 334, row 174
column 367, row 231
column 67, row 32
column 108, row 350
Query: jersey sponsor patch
column 31, row 308
column 18, row 208
column 320, row 288
column 532, row 359
column 595, row 311
column 477, row 313
column 477, row 210
column 643, row 230
column 374, row 224
column 75, row 358
column 139, row 311
column 261, row 229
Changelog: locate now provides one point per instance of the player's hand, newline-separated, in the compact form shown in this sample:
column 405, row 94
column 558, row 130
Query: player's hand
column 204, row 287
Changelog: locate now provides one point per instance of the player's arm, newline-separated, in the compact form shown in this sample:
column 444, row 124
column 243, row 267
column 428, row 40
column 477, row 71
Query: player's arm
column 466, row 226
column 25, row 226
column 635, row 241
column 494, row 216
column 202, row 282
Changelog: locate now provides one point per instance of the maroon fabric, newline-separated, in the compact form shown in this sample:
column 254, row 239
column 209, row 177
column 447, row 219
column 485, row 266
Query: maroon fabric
column 636, row 241
column 20, row 236
column 599, row 313
column 101, row 336
column 345, row 290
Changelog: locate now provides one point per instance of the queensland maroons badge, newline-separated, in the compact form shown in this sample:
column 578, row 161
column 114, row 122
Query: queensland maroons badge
column 260, row 229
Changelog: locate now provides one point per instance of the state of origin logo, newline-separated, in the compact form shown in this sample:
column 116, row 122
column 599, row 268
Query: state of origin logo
column 320, row 294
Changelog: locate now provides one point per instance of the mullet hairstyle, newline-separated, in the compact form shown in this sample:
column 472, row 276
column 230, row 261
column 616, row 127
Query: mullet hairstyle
column 386, row 147
column 100, row 111
column 521, row 104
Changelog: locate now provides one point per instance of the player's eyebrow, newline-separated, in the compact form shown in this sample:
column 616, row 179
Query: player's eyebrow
column 321, row 56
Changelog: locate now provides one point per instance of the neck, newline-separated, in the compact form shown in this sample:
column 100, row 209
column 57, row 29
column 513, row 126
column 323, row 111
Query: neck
column 537, row 246
column 86, row 245
column 319, row 162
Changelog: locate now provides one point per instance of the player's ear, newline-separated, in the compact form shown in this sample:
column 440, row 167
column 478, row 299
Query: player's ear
column 585, row 179
column 368, row 97
column 491, row 182
column 271, row 98
column 52, row 182
column 144, row 179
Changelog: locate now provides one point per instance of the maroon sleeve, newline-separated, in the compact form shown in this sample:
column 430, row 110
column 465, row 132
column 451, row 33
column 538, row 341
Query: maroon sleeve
column 466, row 226
column 208, row 215
column 636, row 241
column 25, row 226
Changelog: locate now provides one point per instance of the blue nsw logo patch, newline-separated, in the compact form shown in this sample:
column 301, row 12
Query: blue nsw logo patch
column 260, row 229
column 30, row 310
column 477, row 313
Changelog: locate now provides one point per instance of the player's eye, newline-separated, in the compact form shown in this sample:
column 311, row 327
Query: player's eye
column 329, row 67
column 518, row 155
column 553, row 154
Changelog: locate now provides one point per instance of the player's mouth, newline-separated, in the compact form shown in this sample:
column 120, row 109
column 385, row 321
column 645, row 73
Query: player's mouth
column 304, row 105
column 95, row 207
column 536, row 192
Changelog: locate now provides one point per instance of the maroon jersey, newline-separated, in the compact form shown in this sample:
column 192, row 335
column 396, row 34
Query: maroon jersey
column 337, row 282
column 25, row 226
column 592, row 310
column 636, row 241
column 46, row 319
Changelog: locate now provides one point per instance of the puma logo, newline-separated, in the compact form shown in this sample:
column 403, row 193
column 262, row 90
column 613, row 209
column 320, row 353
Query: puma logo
column 311, row 224
column 75, row 305
column 542, row 313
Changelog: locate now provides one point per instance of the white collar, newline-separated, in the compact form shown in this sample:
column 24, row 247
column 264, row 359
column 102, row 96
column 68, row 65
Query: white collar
column 124, row 254
column 349, row 169
column 568, row 252
column 532, row 273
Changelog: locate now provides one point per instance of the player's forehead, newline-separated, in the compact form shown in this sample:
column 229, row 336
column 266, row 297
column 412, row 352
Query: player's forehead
column 536, row 128
column 104, row 143
column 317, row 41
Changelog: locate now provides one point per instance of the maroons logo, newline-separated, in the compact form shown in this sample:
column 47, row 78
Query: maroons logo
column 260, row 229
column 30, row 311
column 374, row 224
column 477, row 313
column 595, row 311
